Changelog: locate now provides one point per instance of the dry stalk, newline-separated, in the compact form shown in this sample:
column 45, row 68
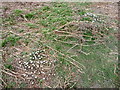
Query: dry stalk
column 12, row 74
column 72, row 47
column 3, row 82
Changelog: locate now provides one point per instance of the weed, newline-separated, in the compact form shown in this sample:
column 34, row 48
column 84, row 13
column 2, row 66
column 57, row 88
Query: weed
column 82, row 12
column 31, row 25
column 10, row 20
column 11, row 40
column 84, row 4
column 24, row 53
column 22, row 85
column 86, row 19
column 40, row 82
column 11, row 85
column 18, row 12
column 8, row 66
column 30, row 15
column 26, row 41
column 21, row 30
column 46, row 8
column 99, row 65
column 9, row 60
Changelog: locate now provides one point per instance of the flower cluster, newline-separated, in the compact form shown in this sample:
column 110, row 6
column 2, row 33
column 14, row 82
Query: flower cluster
column 39, row 54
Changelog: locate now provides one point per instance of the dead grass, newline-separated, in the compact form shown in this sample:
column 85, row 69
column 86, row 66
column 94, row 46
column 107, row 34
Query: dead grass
column 70, row 47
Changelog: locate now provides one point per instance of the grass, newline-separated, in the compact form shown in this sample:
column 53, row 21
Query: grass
column 11, row 85
column 78, row 66
column 30, row 15
column 8, row 66
column 18, row 12
column 11, row 40
column 31, row 25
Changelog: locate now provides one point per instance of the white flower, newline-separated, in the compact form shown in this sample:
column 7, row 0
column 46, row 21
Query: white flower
column 43, row 78
column 37, row 66
column 35, row 76
column 41, row 66
column 31, row 67
column 42, row 72
column 28, row 66
column 32, row 82
column 41, row 62
column 24, row 75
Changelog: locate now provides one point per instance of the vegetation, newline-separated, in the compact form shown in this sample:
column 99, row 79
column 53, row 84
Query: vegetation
column 62, row 45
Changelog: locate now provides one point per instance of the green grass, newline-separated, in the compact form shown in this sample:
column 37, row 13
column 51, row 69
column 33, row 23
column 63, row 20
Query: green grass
column 84, row 4
column 86, row 19
column 98, row 64
column 11, row 85
column 8, row 66
column 11, row 40
column 98, row 70
column 18, row 12
column 31, row 25
column 30, row 16
column 82, row 12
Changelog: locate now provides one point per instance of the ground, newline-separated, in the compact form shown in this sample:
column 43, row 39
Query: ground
column 59, row 45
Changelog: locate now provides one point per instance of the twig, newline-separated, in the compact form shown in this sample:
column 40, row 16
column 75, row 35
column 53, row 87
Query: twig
column 3, row 81
column 84, row 52
column 65, row 42
column 11, row 74
column 66, row 24
column 72, row 47
column 11, row 71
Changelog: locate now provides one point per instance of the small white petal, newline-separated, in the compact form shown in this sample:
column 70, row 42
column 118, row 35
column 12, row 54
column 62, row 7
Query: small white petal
column 43, row 78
